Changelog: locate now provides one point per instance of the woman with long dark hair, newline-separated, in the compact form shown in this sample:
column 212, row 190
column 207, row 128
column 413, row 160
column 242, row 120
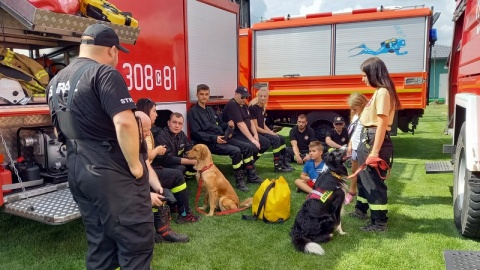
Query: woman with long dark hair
column 376, row 148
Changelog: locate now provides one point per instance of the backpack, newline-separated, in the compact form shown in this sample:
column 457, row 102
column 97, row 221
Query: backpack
column 271, row 202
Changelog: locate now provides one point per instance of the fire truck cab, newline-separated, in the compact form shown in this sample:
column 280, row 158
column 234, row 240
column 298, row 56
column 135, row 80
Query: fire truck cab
column 464, row 123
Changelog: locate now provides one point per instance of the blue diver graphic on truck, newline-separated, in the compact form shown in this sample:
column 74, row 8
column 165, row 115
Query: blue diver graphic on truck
column 393, row 45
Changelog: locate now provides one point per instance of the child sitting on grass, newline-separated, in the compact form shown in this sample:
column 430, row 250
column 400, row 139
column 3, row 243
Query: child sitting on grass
column 312, row 168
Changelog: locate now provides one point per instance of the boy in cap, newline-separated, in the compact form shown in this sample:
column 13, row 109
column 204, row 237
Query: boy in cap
column 245, row 134
column 92, row 111
column 338, row 136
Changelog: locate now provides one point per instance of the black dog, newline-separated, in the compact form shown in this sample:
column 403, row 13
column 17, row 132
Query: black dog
column 319, row 215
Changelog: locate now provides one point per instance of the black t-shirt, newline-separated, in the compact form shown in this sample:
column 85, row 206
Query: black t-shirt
column 341, row 138
column 303, row 138
column 258, row 113
column 100, row 95
column 237, row 113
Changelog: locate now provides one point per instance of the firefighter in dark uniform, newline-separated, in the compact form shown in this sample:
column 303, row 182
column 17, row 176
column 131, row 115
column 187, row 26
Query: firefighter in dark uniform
column 300, row 137
column 92, row 112
column 236, row 110
column 205, row 128
column 177, row 144
column 338, row 135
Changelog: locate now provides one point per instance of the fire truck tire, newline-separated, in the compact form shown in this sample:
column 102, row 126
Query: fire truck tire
column 466, row 194
column 321, row 122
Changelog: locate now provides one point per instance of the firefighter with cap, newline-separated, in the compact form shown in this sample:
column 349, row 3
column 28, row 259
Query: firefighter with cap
column 245, row 134
column 92, row 111
column 338, row 135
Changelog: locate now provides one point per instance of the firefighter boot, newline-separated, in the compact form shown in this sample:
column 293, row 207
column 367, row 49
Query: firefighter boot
column 252, row 176
column 279, row 167
column 286, row 161
column 239, row 177
column 163, row 232
column 375, row 226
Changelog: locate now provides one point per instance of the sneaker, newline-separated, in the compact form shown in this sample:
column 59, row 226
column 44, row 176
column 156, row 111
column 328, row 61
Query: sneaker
column 375, row 227
column 171, row 237
column 349, row 197
column 359, row 214
column 188, row 218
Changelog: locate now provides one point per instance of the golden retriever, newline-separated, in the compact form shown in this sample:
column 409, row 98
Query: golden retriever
column 218, row 192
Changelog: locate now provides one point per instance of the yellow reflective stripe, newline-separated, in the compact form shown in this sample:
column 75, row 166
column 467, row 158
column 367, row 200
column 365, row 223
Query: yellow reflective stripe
column 378, row 207
column 154, row 209
column 259, row 154
column 247, row 160
column 41, row 74
column 238, row 165
column 276, row 150
column 34, row 86
column 362, row 200
column 190, row 173
column 8, row 58
column 179, row 188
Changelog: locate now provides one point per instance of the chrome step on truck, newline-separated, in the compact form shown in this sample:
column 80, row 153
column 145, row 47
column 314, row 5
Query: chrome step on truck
column 443, row 166
column 51, row 204
column 27, row 27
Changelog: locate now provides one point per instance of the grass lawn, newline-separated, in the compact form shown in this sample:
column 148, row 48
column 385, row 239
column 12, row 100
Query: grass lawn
column 420, row 227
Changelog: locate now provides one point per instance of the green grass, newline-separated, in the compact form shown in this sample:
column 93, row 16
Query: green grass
column 420, row 227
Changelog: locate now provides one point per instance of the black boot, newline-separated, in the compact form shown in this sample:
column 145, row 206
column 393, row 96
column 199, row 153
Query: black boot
column 279, row 167
column 286, row 161
column 375, row 226
column 163, row 232
column 239, row 178
column 252, row 176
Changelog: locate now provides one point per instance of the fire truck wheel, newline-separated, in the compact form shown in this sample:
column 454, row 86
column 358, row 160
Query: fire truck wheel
column 466, row 193
column 321, row 128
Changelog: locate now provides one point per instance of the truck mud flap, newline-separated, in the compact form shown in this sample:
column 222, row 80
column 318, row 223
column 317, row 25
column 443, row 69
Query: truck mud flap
column 52, row 204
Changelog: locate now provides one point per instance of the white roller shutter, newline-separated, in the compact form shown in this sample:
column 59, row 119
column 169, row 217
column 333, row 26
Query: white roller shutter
column 351, row 35
column 212, row 49
column 300, row 50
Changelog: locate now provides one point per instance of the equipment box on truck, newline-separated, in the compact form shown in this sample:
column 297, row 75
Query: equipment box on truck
column 311, row 64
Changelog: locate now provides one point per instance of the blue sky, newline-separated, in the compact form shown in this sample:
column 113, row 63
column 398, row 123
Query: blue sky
column 272, row 8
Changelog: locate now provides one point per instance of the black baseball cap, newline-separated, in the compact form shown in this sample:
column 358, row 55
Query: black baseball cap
column 338, row 119
column 242, row 90
column 103, row 35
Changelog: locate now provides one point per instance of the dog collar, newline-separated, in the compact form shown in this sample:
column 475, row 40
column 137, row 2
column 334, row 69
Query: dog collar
column 339, row 177
column 319, row 194
column 206, row 168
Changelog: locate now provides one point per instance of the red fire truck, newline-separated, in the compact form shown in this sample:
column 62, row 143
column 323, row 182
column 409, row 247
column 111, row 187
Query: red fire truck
column 177, row 45
column 311, row 64
column 464, row 111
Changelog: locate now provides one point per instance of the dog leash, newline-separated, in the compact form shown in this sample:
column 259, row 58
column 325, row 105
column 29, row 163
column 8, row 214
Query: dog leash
column 199, row 191
column 377, row 163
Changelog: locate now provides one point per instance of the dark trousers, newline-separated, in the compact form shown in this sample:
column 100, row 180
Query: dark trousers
column 187, row 170
column 174, row 180
column 291, row 154
column 278, row 144
column 372, row 186
column 246, row 149
column 256, row 153
column 116, row 208
column 233, row 151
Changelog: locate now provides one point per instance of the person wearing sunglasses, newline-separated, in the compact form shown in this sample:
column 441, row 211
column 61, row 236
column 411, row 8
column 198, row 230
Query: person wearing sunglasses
column 338, row 135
